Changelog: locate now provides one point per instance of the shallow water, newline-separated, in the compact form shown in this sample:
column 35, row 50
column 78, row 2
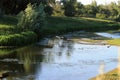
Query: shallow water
column 66, row 60
column 108, row 35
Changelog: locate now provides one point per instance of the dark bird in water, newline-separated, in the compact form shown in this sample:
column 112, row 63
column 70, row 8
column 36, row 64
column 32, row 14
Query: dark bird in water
column 108, row 46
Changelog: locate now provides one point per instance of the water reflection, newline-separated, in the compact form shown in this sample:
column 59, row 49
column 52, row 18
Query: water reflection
column 21, row 62
column 111, row 75
column 101, row 71
column 66, row 60
column 118, row 72
column 77, row 61
column 58, row 51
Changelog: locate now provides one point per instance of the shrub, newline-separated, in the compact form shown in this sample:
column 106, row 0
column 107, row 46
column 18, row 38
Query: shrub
column 101, row 16
column 33, row 18
column 118, row 18
column 48, row 10
column 1, row 14
column 18, row 39
column 69, row 10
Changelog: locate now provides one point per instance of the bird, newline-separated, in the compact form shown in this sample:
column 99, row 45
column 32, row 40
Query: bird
column 108, row 46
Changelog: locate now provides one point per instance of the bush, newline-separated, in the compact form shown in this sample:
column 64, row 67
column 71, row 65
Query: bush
column 48, row 10
column 101, row 16
column 118, row 18
column 33, row 18
column 69, row 10
column 18, row 39
column 1, row 14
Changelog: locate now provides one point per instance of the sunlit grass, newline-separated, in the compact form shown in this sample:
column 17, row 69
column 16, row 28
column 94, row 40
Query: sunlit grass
column 102, row 20
column 114, row 42
column 5, row 52
column 112, row 75
column 5, row 26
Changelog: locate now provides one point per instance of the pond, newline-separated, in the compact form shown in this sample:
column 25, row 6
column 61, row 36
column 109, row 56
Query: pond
column 66, row 60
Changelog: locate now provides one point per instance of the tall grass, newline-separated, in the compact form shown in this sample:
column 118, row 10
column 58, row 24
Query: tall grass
column 9, row 20
column 11, row 36
column 8, row 25
column 18, row 39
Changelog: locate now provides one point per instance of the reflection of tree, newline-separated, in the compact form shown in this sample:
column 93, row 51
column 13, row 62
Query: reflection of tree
column 118, row 62
column 49, row 57
column 21, row 61
column 101, row 71
column 27, row 56
column 69, row 49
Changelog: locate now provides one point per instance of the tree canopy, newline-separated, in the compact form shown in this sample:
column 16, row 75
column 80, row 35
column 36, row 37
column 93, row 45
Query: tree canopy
column 64, row 8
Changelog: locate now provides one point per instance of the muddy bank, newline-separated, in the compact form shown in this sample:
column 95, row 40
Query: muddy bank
column 81, row 37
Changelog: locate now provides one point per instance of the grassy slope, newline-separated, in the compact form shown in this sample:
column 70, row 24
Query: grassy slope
column 7, row 21
column 114, row 42
column 59, row 25
column 64, row 24
column 9, row 35
column 7, row 24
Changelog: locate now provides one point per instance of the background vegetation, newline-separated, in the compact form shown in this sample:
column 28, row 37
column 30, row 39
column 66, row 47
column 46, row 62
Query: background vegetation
column 64, row 7
column 43, row 17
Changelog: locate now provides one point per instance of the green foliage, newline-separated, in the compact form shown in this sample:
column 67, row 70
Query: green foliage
column 69, row 9
column 118, row 18
column 18, row 39
column 33, row 18
column 101, row 16
column 48, row 10
column 7, row 25
column 57, row 10
column 1, row 14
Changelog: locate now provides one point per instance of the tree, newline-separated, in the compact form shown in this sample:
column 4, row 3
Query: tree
column 69, row 9
column 48, row 10
column 32, row 18
column 58, row 9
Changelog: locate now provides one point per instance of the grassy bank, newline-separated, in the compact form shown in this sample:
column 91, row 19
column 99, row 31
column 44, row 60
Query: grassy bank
column 18, row 39
column 10, row 36
column 59, row 25
column 114, row 42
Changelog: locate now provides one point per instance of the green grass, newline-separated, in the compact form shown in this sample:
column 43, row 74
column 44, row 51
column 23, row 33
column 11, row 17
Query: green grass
column 10, row 36
column 114, row 42
column 18, row 39
column 54, row 25
column 61, row 25
column 5, row 52
column 7, row 25
column 8, row 20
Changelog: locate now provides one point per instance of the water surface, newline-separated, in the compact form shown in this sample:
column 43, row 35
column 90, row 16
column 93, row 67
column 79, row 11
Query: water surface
column 112, row 35
column 66, row 60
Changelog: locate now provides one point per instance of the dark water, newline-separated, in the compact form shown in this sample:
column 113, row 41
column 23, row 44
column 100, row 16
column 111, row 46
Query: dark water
column 64, row 61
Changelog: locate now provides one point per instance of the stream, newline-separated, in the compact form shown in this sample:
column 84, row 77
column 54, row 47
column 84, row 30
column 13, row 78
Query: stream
column 65, row 60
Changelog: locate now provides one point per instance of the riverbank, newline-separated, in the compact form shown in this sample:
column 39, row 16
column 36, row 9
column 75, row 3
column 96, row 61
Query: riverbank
column 9, row 36
column 61, row 25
